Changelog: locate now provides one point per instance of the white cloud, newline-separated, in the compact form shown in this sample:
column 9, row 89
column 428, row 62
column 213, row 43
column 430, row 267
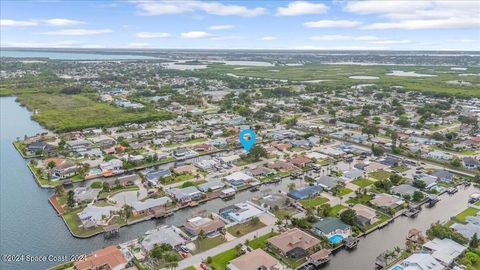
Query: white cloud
column 426, row 24
column 13, row 23
column 308, row 47
column 388, row 42
column 221, row 27
column 63, row 22
column 301, row 8
column 268, row 38
column 344, row 37
column 152, row 34
column 177, row 7
column 78, row 32
column 196, row 34
column 138, row 45
column 332, row 24
column 412, row 15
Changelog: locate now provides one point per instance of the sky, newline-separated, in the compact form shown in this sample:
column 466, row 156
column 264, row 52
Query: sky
column 195, row 24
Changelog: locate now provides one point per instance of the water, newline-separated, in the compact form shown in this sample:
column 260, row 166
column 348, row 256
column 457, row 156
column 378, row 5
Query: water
column 363, row 257
column 30, row 226
column 70, row 55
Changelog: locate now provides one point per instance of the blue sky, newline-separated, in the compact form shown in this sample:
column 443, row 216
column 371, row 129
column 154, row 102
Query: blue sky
column 399, row 25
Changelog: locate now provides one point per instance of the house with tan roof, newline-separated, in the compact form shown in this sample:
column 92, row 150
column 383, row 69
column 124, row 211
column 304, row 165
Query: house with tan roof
column 185, row 169
column 254, row 260
column 106, row 258
column 365, row 214
column 208, row 226
column 386, row 201
column 294, row 243
column 281, row 166
column 300, row 161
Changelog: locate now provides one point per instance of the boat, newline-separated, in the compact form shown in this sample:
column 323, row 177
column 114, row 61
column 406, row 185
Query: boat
column 432, row 200
column 411, row 212
column 351, row 242
column 467, row 184
column 253, row 189
column 452, row 190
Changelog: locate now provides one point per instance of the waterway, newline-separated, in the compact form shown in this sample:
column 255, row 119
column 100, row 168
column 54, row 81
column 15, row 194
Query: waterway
column 71, row 55
column 30, row 226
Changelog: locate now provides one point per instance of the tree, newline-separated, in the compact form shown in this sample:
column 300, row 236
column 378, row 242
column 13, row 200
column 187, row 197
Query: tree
column 395, row 179
column 51, row 164
column 255, row 221
column 106, row 187
column 456, row 162
column 370, row 130
column 377, row 150
column 256, row 153
column 417, row 196
column 419, row 184
column 71, row 199
column 474, row 242
column 348, row 216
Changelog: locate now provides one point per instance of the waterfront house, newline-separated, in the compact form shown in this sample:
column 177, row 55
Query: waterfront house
column 261, row 172
column 185, row 195
column 470, row 163
column 166, row 234
column 211, row 186
column 39, row 146
column 229, row 159
column 443, row 175
column 150, row 205
column 185, row 169
column 352, row 175
column 404, row 189
column 387, row 201
column 106, row 258
column 155, row 175
column 239, row 179
column 255, row 260
column 390, row 161
column 93, row 216
column 305, row 192
column 332, row 228
column 63, row 168
column 365, row 215
column 444, row 250
column 300, row 161
column 209, row 227
column 274, row 200
column 320, row 257
column 419, row 261
column 206, row 164
column 85, row 194
column 281, row 166
column 294, row 243
column 240, row 212
column 328, row 182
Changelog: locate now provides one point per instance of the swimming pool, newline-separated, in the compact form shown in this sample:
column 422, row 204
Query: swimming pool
column 397, row 267
column 335, row 239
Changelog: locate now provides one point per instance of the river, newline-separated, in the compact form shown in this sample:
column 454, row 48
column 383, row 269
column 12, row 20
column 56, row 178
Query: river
column 30, row 226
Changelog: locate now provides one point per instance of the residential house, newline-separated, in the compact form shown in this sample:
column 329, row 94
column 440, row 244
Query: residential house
column 294, row 243
column 239, row 179
column 211, row 186
column 443, row 175
column 300, row 161
column 240, row 212
column 404, row 189
column 85, row 194
column 186, row 195
column 387, row 201
column 261, row 172
column 106, row 258
column 166, row 234
column 93, row 216
column 419, row 261
column 444, row 250
column 155, row 175
column 255, row 260
column 365, row 215
column 328, row 182
column 305, row 192
column 150, row 205
column 470, row 163
column 63, row 168
column 185, row 169
column 281, row 166
column 331, row 227
column 209, row 227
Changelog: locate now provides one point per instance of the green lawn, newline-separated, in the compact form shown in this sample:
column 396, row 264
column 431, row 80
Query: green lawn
column 465, row 213
column 191, row 267
column 313, row 202
column 362, row 199
column 283, row 213
column 260, row 242
column 220, row 261
column 208, row 243
column 244, row 228
column 401, row 168
column 197, row 140
column 381, row 218
column 176, row 179
column 344, row 191
column 362, row 182
column 380, row 175
column 73, row 222
column 61, row 112
column 333, row 212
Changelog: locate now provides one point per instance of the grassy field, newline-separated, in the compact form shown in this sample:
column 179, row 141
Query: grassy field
column 72, row 112
column 260, row 242
column 207, row 243
column 313, row 202
column 362, row 182
column 336, row 75
column 343, row 192
column 220, row 261
column 333, row 212
column 244, row 228
column 465, row 213
column 380, row 175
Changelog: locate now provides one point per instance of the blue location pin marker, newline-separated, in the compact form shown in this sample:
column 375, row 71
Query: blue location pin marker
column 247, row 143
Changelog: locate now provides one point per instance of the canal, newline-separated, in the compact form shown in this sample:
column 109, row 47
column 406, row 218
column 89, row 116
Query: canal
column 30, row 226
